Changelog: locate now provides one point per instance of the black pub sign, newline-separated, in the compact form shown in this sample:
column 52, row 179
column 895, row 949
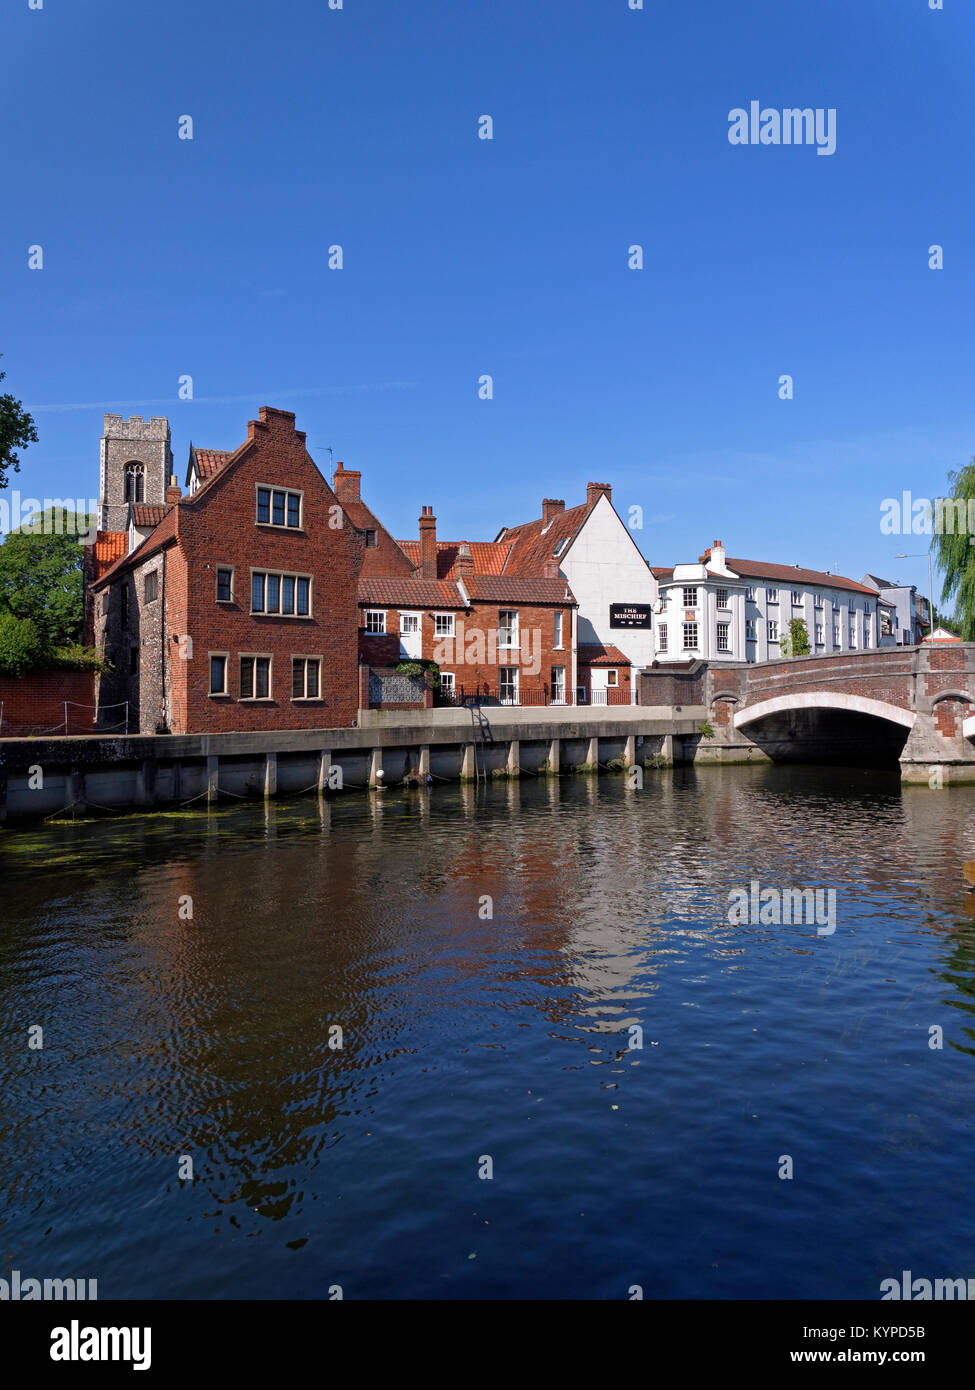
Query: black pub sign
column 629, row 615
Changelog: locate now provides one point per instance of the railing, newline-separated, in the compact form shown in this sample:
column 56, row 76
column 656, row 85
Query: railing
column 614, row 695
column 483, row 695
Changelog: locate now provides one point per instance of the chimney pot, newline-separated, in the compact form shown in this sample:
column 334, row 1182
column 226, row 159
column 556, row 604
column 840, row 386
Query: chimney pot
column 551, row 506
column 593, row 491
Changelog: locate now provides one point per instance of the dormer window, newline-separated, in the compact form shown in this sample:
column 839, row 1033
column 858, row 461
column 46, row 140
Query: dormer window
column 560, row 547
column 370, row 540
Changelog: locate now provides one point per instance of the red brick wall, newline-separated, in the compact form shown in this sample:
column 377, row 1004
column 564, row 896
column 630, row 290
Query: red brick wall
column 470, row 654
column 220, row 528
column 34, row 703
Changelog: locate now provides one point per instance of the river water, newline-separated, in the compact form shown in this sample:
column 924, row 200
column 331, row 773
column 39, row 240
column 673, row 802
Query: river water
column 503, row 1043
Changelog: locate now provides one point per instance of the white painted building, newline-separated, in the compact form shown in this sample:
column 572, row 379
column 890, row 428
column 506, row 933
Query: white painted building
column 723, row 609
column 611, row 580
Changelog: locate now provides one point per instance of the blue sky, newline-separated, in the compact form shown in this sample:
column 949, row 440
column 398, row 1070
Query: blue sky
column 165, row 257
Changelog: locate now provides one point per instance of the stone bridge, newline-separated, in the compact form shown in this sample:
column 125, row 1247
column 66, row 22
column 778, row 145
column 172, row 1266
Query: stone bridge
column 909, row 705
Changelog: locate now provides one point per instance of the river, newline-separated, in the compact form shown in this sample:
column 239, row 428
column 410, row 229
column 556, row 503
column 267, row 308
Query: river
column 398, row 1038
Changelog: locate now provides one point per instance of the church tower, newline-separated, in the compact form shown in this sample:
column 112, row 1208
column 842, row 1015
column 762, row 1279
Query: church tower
column 136, row 465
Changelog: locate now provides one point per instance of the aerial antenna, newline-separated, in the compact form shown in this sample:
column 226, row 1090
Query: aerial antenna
column 325, row 446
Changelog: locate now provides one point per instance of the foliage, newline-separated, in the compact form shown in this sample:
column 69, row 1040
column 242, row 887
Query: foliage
column 706, row 731
column 17, row 430
column 954, row 557
column 420, row 667
column 20, row 646
column 799, row 637
column 41, row 593
column 41, row 580
column 76, row 657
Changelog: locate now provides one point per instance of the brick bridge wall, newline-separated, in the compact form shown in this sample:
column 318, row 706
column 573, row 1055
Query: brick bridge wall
column 936, row 685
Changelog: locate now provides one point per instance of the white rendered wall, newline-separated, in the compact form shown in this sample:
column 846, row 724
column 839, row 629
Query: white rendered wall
column 604, row 566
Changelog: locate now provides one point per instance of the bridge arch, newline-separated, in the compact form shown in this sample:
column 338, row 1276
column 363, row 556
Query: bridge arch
column 827, row 700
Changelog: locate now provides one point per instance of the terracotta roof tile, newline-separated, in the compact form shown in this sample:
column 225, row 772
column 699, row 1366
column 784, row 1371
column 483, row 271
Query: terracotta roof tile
column 599, row 654
column 515, row 589
column 210, row 461
column 758, row 569
column 410, row 593
column 535, row 542
column 488, row 557
column 164, row 533
column 146, row 514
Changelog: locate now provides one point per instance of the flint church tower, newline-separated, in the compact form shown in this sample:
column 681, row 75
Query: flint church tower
column 136, row 466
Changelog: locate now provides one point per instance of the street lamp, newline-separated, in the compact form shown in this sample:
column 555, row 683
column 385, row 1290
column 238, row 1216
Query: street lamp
column 917, row 555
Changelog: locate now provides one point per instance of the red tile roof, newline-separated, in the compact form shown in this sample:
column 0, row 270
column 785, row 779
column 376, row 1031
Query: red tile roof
column 758, row 569
column 535, row 542
column 210, row 461
column 488, row 557
column 410, row 593
column 163, row 535
column 597, row 654
column 508, row 589
column 109, row 547
column 146, row 514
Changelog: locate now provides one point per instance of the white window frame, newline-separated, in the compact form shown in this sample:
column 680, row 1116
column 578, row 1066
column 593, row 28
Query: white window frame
column 771, row 595
column 772, row 629
column 723, row 637
column 256, row 699
column 447, row 682
column 797, row 598
column 558, row 679
column 692, row 590
column 662, row 637
column 511, row 629
column 443, row 625
column 287, row 492
column 306, row 657
column 695, row 644
column 557, row 631
column 750, row 592
column 372, row 616
column 417, row 618
column 721, row 598
column 511, row 684
column 281, row 576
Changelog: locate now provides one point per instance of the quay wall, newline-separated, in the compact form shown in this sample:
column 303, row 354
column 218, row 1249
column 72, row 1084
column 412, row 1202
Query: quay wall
column 49, row 776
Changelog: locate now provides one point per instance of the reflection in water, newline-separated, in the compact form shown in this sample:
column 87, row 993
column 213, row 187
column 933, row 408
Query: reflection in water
column 506, row 1035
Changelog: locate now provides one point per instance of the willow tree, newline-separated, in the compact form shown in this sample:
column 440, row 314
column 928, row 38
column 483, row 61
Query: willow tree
column 954, row 552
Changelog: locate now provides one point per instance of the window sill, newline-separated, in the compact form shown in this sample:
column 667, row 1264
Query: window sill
column 276, row 526
column 257, row 700
column 288, row 617
column 307, row 700
column 220, row 695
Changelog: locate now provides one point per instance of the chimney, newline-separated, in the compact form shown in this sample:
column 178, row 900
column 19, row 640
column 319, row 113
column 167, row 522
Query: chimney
column 594, row 489
column 173, row 492
column 550, row 569
column 428, row 544
column 717, row 555
column 464, row 564
column 551, row 506
column 345, row 483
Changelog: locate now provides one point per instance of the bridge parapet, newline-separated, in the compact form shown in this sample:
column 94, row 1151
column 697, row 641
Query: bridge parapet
column 928, row 691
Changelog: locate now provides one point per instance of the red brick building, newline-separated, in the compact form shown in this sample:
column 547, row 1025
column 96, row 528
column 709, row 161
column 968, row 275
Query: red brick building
column 500, row 637
column 238, row 609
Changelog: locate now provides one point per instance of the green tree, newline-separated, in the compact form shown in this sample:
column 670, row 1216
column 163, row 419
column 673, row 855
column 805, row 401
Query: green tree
column 20, row 646
column 16, row 432
column 799, row 637
column 41, row 579
column 956, row 559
